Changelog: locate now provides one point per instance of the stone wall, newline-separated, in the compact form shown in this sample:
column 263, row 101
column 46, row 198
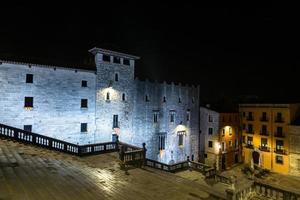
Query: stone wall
column 57, row 95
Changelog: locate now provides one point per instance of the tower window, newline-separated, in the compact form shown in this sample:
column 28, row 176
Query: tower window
column 180, row 140
column 172, row 116
column 83, row 83
column 115, row 121
column 84, row 103
column 210, row 119
column 188, row 116
column 117, row 60
column 116, row 77
column 29, row 78
column 155, row 117
column 147, row 98
column 28, row 102
column 179, row 100
column 83, row 127
column 164, row 99
column 126, row 61
column 123, row 97
column 193, row 100
column 106, row 58
column 107, row 96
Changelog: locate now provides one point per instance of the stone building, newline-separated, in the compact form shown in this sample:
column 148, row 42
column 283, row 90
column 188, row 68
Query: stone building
column 220, row 137
column 97, row 104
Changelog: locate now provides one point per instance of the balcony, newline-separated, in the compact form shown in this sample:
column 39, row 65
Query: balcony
column 249, row 146
column 279, row 135
column 264, row 148
column 249, row 118
column 280, row 151
column 264, row 133
column 264, row 119
column 250, row 131
column 279, row 120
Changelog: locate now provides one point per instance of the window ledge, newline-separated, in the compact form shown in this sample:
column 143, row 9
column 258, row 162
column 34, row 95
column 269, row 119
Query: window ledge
column 28, row 108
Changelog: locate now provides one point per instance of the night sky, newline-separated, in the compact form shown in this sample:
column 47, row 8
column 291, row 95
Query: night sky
column 228, row 51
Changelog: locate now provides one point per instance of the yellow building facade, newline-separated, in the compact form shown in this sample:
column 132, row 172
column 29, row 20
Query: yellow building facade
column 265, row 134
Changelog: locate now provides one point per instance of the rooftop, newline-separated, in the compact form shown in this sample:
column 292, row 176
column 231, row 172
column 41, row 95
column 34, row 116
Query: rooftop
column 113, row 53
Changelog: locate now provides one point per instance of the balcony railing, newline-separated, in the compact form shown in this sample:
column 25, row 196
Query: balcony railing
column 279, row 135
column 250, row 118
column 250, row 131
column 279, row 120
column 249, row 146
column 264, row 119
column 265, row 133
column 280, row 151
column 264, row 148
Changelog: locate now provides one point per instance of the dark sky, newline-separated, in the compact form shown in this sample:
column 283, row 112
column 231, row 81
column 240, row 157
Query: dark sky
column 228, row 50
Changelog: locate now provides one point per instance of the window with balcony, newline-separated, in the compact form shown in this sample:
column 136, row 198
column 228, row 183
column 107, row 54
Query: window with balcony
column 279, row 132
column 250, row 128
column 279, row 117
column 279, row 147
column 250, row 142
column 279, row 160
column 263, row 130
column 250, row 116
column 264, row 117
column 264, row 144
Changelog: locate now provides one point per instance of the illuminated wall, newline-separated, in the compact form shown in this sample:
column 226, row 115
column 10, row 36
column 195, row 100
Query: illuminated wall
column 271, row 156
column 57, row 94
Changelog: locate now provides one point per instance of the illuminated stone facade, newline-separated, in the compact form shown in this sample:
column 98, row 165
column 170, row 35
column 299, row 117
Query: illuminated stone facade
column 90, row 106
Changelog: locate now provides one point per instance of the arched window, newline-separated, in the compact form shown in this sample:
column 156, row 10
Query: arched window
column 107, row 96
column 123, row 97
column 116, row 77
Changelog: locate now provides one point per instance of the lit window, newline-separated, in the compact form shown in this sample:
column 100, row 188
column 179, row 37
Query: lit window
column 83, row 83
column 279, row 159
column 28, row 102
column 83, row 127
column 29, row 78
column 84, row 103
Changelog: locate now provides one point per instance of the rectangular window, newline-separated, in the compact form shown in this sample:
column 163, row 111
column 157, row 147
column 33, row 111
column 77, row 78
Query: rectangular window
column 180, row 137
column 279, row 145
column 29, row 78
column 180, row 140
column 210, row 144
column 279, row 160
column 279, row 130
column 210, row 131
column 83, row 127
column 250, row 140
column 161, row 142
column 244, row 139
column 83, row 83
column 230, row 143
column 115, row 121
column 172, row 116
column 117, row 60
column 230, row 131
column 126, row 61
column 106, row 58
column 28, row 128
column 264, row 142
column 28, row 102
column 188, row 116
column 155, row 117
column 223, row 146
column 84, row 103
column 210, row 119
column 250, row 128
column 264, row 129
column 244, row 114
column 236, row 143
column 223, row 132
